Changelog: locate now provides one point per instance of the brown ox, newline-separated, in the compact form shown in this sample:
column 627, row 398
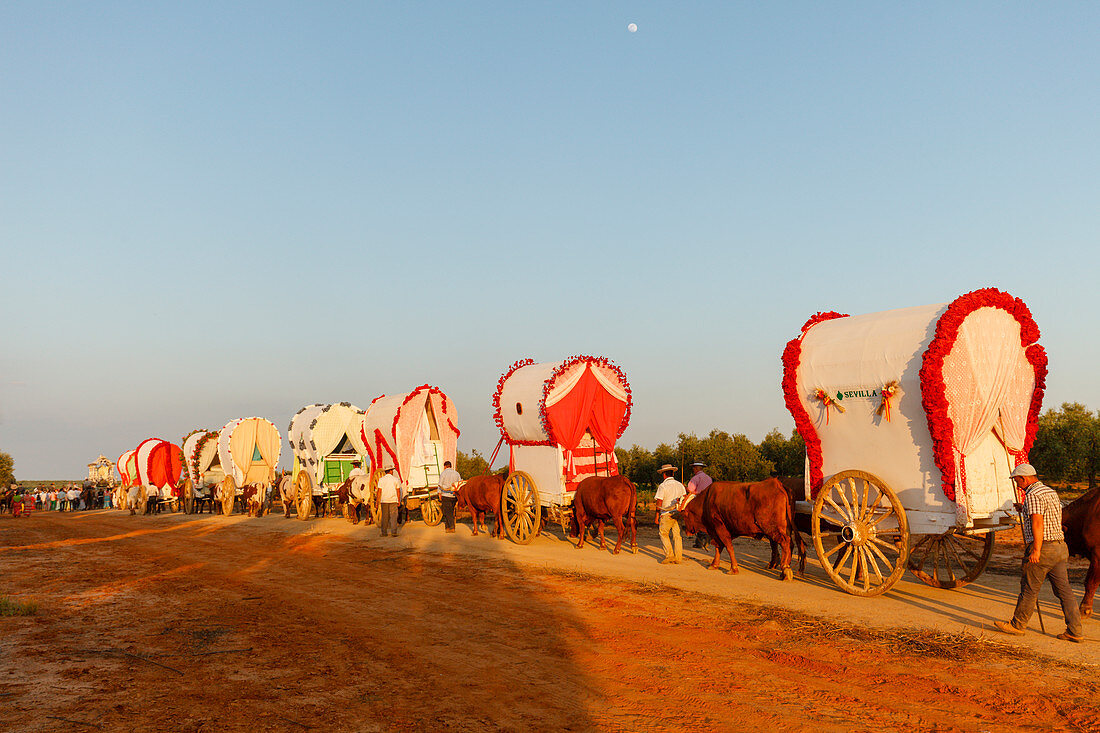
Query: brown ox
column 1081, row 522
column 603, row 499
column 252, row 497
column 762, row 510
column 481, row 494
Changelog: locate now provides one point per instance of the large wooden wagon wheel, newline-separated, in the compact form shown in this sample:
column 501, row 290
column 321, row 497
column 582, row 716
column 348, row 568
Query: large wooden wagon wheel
column 303, row 494
column 952, row 559
column 228, row 495
column 860, row 533
column 519, row 503
column 431, row 510
column 188, row 497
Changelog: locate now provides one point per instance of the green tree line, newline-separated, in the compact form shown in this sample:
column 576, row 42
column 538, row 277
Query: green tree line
column 728, row 458
column 1067, row 445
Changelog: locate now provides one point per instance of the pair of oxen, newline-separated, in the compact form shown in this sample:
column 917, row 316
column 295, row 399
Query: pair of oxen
column 724, row 510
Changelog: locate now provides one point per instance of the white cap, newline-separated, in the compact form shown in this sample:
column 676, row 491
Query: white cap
column 1024, row 469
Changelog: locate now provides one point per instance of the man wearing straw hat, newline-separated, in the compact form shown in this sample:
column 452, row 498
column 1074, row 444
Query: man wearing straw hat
column 699, row 481
column 1045, row 555
column 668, row 496
column 389, row 496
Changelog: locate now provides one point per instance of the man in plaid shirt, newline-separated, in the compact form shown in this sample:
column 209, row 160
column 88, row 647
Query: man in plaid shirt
column 1045, row 554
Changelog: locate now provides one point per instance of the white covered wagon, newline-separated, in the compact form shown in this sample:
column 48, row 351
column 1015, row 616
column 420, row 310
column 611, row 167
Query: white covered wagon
column 913, row 420
column 415, row 433
column 248, row 450
column 561, row 421
column 203, row 468
column 325, row 439
column 128, row 476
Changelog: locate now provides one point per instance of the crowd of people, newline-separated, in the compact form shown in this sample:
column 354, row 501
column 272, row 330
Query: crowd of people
column 69, row 497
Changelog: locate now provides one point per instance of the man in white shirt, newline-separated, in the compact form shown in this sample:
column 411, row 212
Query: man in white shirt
column 669, row 494
column 360, row 488
column 447, row 480
column 389, row 496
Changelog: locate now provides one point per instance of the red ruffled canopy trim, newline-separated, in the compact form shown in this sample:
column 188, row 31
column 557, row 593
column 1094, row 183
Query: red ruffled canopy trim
column 933, row 389
column 792, row 355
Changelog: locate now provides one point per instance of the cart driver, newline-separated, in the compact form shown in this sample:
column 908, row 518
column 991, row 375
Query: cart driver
column 1045, row 554
column 669, row 494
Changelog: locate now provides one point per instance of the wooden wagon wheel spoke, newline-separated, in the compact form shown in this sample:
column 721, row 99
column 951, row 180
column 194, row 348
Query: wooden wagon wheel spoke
column 840, row 512
column 885, row 560
column 835, row 521
column 871, row 550
column 863, row 569
column 839, row 567
column 863, row 496
column 851, row 513
column 837, row 547
column 855, row 564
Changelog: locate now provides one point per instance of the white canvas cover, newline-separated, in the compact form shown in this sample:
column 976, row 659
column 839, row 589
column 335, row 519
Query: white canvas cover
column 524, row 388
column 415, row 432
column 317, row 430
column 238, row 444
column 989, row 385
column 188, row 447
column 141, row 455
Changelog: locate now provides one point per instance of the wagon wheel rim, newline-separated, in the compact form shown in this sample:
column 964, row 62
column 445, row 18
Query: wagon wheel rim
column 188, row 497
column 860, row 533
column 519, row 504
column 303, row 494
column 952, row 559
column 432, row 512
column 229, row 495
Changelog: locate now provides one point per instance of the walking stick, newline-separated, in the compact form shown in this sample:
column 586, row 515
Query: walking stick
column 1039, row 611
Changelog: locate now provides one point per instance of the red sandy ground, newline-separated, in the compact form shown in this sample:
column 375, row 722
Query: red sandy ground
column 200, row 625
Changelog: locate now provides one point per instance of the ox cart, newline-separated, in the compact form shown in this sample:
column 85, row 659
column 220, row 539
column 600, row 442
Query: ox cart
column 159, row 466
column 325, row 440
column 127, row 471
column 561, row 421
column 416, row 433
column 913, row 420
column 203, row 470
column 248, row 451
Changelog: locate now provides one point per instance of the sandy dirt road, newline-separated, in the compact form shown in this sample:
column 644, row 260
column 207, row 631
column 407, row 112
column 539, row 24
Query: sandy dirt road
column 176, row 623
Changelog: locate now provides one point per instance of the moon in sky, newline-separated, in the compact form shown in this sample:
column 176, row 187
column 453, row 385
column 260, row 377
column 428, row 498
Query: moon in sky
column 633, row 27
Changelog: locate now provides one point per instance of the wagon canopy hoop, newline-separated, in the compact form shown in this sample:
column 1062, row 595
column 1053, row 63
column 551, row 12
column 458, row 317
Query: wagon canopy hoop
column 860, row 533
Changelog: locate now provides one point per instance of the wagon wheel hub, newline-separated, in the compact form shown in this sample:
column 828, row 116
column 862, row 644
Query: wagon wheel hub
column 854, row 533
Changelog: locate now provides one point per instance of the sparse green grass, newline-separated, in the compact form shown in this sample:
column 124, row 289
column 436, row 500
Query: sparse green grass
column 8, row 607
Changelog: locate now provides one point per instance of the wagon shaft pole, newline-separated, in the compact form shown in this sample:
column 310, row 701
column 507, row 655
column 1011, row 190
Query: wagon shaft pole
column 494, row 456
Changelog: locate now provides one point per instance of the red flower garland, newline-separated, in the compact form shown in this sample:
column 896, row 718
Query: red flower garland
column 210, row 434
column 792, row 355
column 933, row 388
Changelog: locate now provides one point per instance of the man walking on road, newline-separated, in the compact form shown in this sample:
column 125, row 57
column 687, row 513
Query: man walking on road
column 699, row 481
column 1045, row 555
column 447, row 481
column 668, row 496
column 389, row 496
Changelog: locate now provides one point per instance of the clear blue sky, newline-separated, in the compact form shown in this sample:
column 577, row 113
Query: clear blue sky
column 213, row 211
